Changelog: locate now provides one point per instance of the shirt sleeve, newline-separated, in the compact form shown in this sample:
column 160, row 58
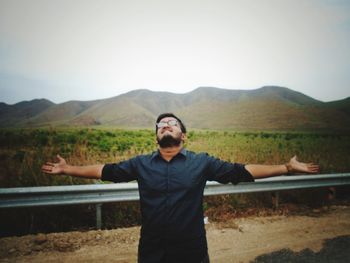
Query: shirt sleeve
column 227, row 172
column 119, row 172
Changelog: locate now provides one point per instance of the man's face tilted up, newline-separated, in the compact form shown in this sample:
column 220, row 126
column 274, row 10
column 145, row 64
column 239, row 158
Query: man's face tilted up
column 169, row 132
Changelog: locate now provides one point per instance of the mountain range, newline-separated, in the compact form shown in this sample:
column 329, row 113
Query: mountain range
column 266, row 108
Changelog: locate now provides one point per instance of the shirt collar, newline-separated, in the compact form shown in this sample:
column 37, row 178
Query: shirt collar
column 157, row 153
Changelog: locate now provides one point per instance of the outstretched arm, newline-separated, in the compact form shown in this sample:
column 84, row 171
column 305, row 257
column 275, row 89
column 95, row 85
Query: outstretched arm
column 293, row 166
column 61, row 167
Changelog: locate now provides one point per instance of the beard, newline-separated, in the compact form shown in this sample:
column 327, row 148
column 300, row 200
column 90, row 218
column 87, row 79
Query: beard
column 168, row 141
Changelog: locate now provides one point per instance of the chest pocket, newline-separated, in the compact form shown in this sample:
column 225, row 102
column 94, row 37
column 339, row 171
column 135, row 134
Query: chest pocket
column 153, row 181
column 186, row 177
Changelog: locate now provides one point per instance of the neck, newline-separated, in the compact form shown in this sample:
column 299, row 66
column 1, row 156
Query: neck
column 169, row 152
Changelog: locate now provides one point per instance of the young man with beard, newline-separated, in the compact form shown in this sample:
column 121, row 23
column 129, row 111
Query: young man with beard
column 171, row 183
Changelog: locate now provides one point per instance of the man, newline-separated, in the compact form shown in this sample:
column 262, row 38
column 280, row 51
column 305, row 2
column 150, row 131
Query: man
column 171, row 183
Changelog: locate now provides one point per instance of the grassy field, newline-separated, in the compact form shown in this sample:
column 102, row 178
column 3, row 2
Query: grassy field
column 23, row 151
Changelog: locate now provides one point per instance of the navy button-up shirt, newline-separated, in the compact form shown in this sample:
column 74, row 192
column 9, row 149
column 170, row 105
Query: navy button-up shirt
column 171, row 195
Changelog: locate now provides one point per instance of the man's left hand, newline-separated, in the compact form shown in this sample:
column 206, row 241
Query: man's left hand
column 294, row 166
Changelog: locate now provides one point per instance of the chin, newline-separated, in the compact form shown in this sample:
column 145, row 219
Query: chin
column 168, row 141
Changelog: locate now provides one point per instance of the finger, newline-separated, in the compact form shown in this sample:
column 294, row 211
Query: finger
column 313, row 166
column 50, row 164
column 59, row 157
column 314, row 169
column 46, row 170
column 46, row 167
column 294, row 158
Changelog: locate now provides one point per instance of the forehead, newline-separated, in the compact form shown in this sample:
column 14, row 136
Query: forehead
column 167, row 119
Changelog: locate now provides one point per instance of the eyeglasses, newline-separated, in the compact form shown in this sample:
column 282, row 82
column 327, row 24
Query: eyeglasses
column 167, row 123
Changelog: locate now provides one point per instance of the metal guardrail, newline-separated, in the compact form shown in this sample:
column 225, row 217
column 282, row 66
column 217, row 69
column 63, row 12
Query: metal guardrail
column 103, row 193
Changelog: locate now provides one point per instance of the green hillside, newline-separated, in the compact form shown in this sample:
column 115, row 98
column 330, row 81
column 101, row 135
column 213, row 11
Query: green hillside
column 267, row 108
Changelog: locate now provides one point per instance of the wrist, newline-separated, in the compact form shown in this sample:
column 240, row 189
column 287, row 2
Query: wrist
column 288, row 168
column 66, row 169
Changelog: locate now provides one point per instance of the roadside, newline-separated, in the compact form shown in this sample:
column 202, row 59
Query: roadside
column 237, row 240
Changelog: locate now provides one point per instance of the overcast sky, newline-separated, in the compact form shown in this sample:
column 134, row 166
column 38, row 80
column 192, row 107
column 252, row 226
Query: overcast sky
column 86, row 50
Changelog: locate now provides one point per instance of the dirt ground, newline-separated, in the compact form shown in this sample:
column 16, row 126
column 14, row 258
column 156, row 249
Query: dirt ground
column 239, row 240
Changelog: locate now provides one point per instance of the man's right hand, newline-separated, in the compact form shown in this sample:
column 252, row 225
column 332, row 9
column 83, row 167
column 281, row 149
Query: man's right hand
column 55, row 168
column 61, row 167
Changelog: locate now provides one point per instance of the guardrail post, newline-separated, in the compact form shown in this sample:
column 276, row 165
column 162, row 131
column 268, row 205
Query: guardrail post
column 98, row 216
column 275, row 199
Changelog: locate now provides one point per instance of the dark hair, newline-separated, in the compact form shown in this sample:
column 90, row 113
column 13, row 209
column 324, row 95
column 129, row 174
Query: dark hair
column 164, row 115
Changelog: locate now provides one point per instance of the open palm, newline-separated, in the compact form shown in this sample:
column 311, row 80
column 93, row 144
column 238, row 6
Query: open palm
column 54, row 168
column 294, row 166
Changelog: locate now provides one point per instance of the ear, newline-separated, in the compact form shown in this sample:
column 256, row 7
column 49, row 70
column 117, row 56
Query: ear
column 183, row 137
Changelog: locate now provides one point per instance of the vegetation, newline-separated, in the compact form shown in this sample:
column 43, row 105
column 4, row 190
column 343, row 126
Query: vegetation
column 23, row 151
column 268, row 108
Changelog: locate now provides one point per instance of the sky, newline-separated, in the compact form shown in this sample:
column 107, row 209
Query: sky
column 65, row 50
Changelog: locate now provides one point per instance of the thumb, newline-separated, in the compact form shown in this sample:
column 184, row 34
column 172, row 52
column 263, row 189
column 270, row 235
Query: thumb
column 59, row 158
